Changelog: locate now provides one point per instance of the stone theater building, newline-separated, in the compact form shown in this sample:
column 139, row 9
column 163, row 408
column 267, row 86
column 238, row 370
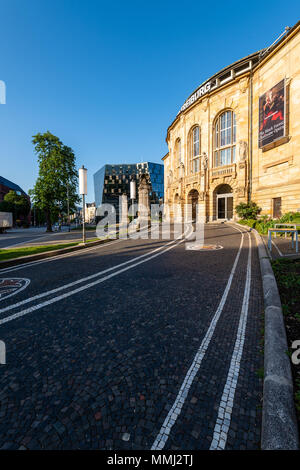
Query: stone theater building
column 237, row 137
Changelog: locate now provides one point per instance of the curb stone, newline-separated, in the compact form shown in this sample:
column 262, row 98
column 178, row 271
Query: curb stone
column 279, row 423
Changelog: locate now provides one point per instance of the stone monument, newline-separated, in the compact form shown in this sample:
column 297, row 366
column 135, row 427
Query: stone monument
column 143, row 198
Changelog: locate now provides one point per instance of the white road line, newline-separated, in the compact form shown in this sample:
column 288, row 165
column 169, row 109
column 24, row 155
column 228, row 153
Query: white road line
column 84, row 279
column 175, row 411
column 274, row 244
column 87, row 286
column 226, row 405
column 58, row 257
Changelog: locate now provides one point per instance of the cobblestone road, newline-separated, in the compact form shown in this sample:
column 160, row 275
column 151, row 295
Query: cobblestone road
column 99, row 361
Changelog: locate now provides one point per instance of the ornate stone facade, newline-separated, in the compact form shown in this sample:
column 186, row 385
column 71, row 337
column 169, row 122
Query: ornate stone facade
column 210, row 162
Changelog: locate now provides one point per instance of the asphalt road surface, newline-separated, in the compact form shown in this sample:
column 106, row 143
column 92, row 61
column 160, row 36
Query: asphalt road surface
column 22, row 239
column 134, row 344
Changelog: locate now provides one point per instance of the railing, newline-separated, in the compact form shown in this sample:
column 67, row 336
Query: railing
column 226, row 170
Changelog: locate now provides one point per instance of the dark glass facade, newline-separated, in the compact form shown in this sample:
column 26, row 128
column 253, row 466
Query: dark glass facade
column 111, row 181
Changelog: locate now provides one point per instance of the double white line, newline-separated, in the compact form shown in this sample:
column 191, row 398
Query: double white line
column 219, row 439
column 118, row 269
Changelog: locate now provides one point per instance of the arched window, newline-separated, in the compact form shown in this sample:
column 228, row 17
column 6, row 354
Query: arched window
column 195, row 150
column 178, row 151
column 225, row 139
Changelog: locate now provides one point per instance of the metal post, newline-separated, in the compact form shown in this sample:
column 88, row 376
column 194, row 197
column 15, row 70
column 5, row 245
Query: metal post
column 68, row 202
column 83, row 192
column 83, row 219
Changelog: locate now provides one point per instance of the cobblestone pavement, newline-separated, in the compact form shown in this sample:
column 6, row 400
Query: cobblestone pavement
column 282, row 247
column 101, row 367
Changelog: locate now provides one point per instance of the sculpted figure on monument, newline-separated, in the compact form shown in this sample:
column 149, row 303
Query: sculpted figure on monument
column 143, row 197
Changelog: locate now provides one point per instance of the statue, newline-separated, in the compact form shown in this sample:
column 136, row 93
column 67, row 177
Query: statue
column 205, row 161
column 181, row 170
column 170, row 177
column 243, row 150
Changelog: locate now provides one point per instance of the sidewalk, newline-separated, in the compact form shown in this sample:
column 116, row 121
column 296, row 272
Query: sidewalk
column 32, row 230
column 281, row 247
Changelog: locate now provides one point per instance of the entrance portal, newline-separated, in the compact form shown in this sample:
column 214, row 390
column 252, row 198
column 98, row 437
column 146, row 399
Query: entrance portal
column 193, row 197
column 224, row 202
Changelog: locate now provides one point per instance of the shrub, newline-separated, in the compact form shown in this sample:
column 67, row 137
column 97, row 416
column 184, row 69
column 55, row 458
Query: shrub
column 248, row 211
column 288, row 217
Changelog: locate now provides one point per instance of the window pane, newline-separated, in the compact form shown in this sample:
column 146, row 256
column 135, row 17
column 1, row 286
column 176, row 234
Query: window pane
column 228, row 118
column 196, row 141
column 179, row 151
column 223, row 138
column 228, row 156
column 228, row 136
column 222, row 121
column 223, row 157
column 196, row 165
column 233, row 154
column 234, row 129
column 216, row 158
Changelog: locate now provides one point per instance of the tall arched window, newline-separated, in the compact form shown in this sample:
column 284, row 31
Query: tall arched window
column 195, row 150
column 225, row 139
column 178, row 151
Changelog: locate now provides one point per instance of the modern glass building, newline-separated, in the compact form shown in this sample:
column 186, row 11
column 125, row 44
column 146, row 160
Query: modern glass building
column 112, row 181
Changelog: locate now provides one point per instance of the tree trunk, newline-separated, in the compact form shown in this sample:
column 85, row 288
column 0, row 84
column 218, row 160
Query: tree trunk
column 48, row 220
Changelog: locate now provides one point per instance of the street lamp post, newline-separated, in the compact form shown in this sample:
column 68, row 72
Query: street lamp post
column 83, row 193
column 68, row 203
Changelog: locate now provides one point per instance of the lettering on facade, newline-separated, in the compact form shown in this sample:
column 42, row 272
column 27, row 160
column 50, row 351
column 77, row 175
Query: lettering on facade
column 195, row 96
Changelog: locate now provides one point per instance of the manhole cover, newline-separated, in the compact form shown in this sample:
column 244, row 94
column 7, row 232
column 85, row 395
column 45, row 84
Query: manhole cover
column 201, row 247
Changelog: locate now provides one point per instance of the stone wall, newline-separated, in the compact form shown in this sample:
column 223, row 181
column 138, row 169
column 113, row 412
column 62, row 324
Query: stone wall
column 276, row 170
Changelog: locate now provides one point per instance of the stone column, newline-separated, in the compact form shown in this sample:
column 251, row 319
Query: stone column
column 143, row 198
column 124, row 209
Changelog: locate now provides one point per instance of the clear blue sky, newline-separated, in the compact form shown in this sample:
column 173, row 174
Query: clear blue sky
column 109, row 77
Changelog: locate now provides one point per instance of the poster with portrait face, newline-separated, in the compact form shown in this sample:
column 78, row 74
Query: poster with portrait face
column 272, row 114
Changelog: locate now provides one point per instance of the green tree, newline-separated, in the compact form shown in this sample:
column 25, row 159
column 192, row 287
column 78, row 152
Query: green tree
column 57, row 179
column 18, row 204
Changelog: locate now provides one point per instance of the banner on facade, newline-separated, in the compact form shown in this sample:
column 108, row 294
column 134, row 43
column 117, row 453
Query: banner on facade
column 272, row 114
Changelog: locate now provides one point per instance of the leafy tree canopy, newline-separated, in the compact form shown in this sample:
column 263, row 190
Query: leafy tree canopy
column 57, row 180
column 18, row 204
